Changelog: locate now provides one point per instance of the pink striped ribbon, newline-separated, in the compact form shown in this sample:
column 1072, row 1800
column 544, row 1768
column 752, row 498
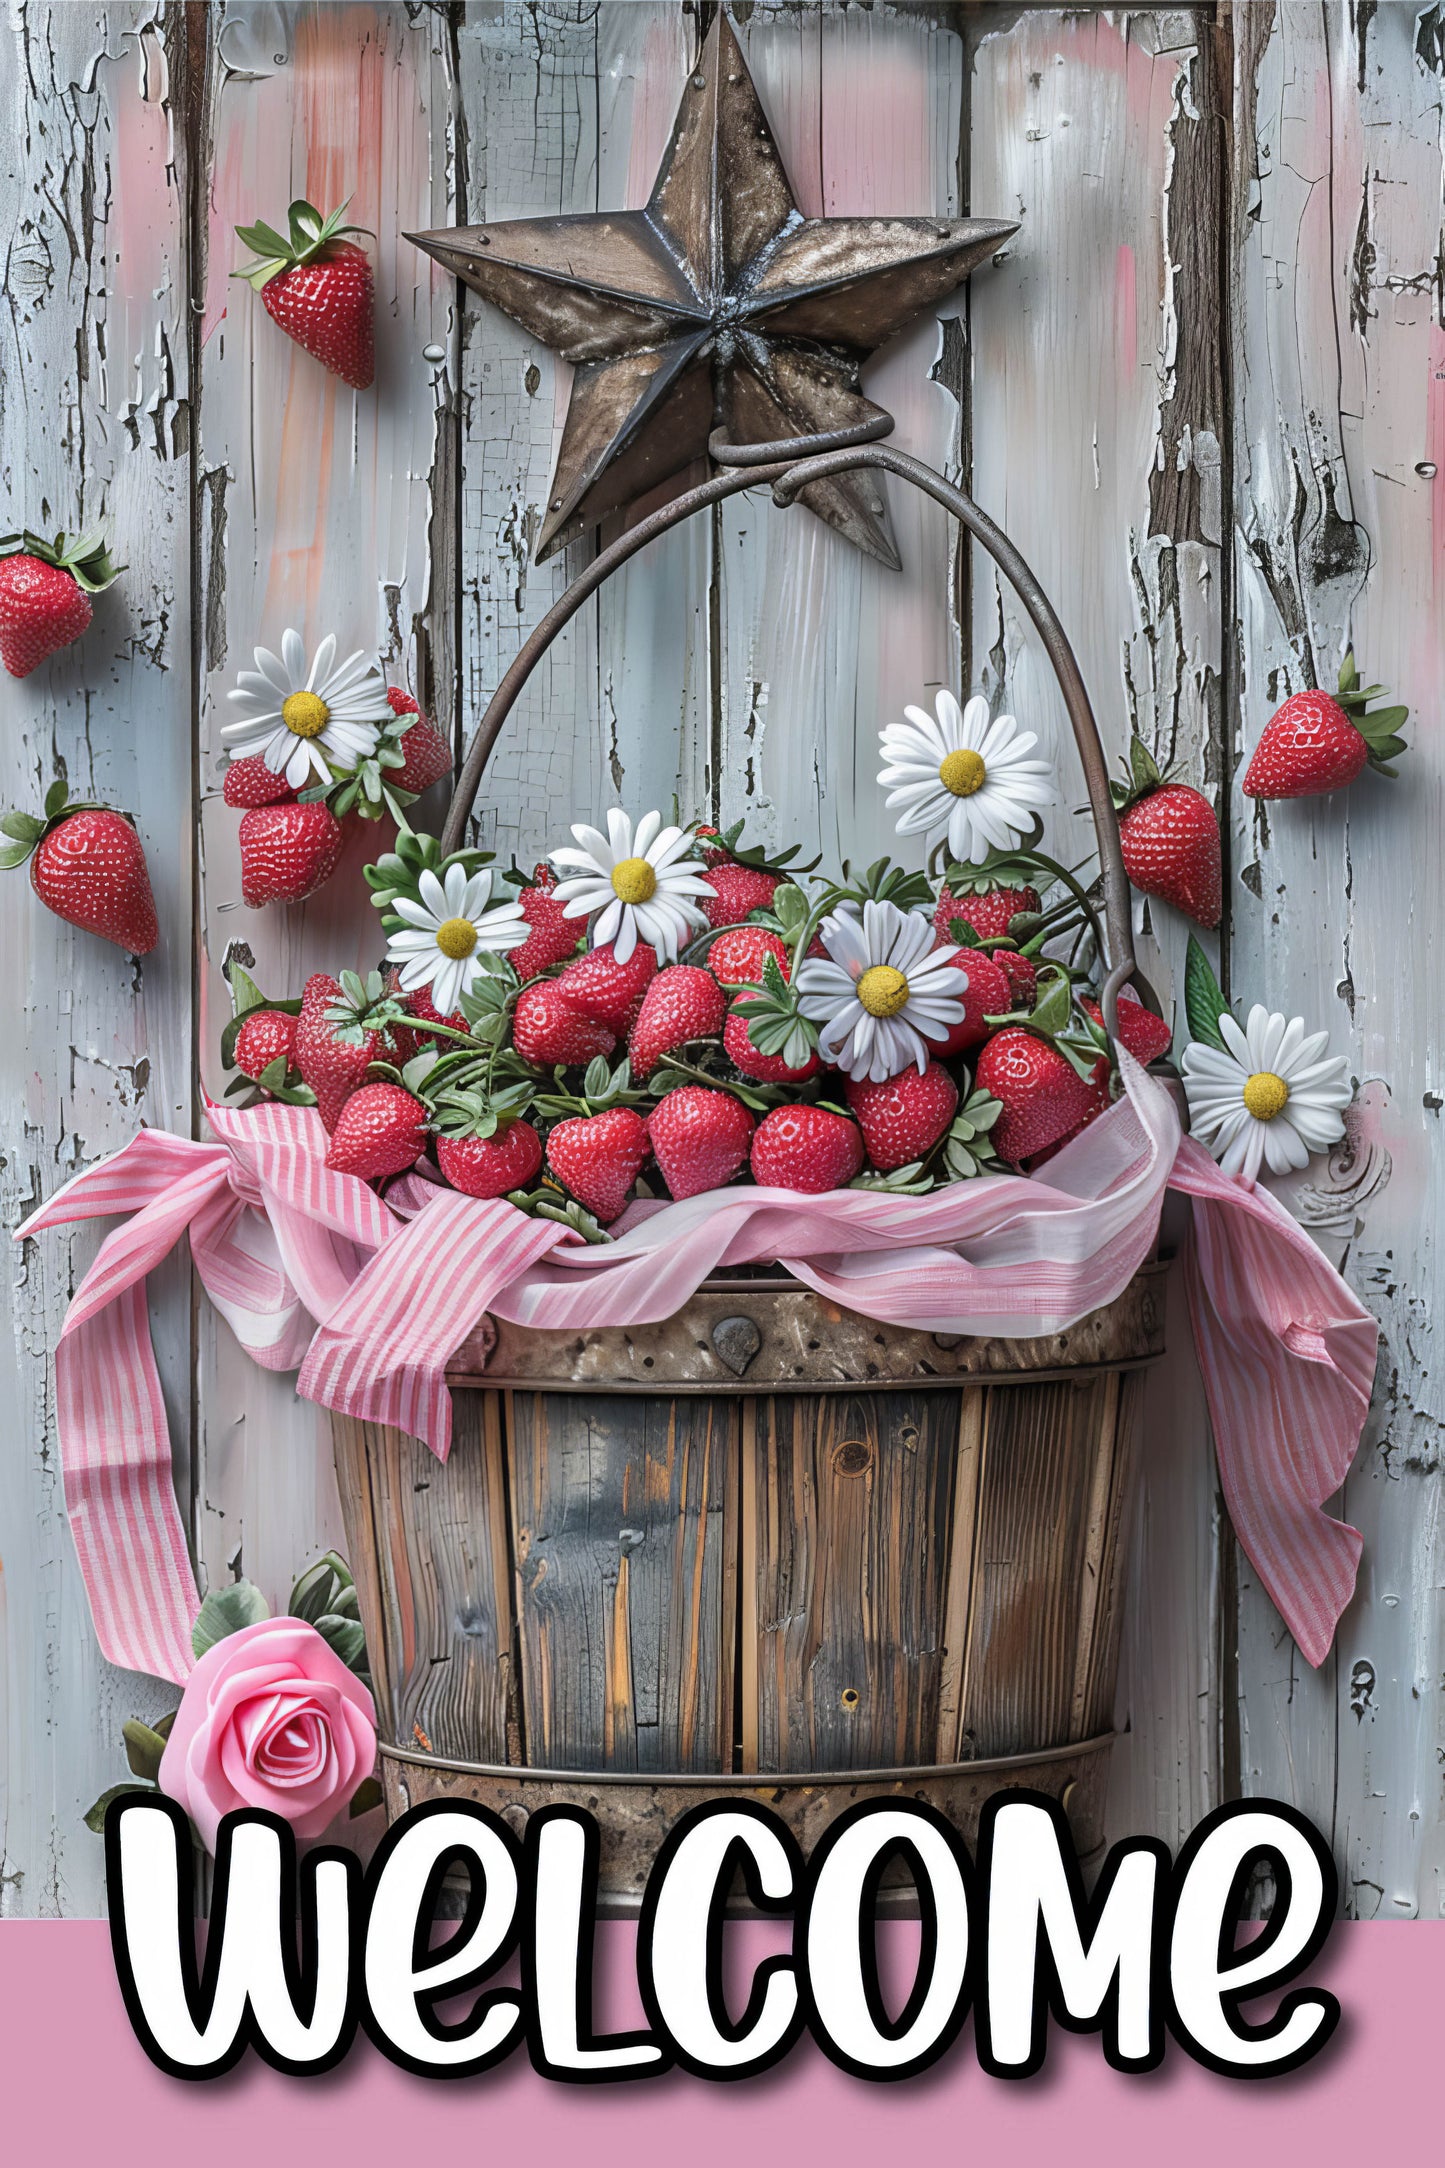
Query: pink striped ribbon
column 371, row 1300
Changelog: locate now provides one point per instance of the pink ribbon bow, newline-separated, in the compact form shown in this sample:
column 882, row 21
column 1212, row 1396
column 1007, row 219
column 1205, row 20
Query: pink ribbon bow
column 371, row 1299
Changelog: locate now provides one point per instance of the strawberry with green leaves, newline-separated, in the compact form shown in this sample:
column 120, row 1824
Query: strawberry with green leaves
column 45, row 591
column 317, row 285
column 1320, row 741
column 428, row 757
column 1042, row 1096
column 699, row 1138
column 345, row 1025
column 1170, row 838
column 88, row 866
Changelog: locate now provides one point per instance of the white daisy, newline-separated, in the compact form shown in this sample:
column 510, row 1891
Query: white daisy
column 303, row 720
column 641, row 885
column 447, row 924
column 960, row 771
column 1270, row 1098
column 882, row 990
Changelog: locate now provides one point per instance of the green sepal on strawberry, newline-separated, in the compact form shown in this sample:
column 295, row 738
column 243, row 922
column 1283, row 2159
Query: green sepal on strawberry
column 1169, row 833
column 1320, row 741
column 45, row 590
column 317, row 285
column 398, row 871
column 260, row 1043
column 344, row 1026
column 88, row 866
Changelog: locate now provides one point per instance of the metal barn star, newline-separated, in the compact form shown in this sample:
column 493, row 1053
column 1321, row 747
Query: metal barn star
column 718, row 304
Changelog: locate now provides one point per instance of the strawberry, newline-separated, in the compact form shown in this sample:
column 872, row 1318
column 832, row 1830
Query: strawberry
column 428, row 756
column 1170, row 837
column 988, row 910
column 381, row 1130
column 548, row 1031
column 88, row 867
column 287, row 852
column 1320, row 741
column 989, row 993
column 250, row 783
column 1022, row 975
column 903, row 1118
column 1146, row 1035
column 317, row 287
column 700, row 1138
column 1042, row 1095
column 736, row 957
column 419, row 1003
column 490, row 1166
column 767, row 1068
column 607, row 991
column 682, row 1003
column 737, row 890
column 344, row 1026
column 805, row 1148
column 553, row 937
column 599, row 1157
column 267, row 1035
column 45, row 591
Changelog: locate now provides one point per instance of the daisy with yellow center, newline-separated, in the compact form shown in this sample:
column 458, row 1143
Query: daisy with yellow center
column 450, row 923
column 959, row 771
column 881, row 991
column 304, row 723
column 1267, row 1098
column 640, row 887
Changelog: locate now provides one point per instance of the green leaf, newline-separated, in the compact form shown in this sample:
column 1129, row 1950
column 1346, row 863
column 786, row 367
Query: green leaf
column 790, row 906
column 23, row 826
column 225, row 1611
column 314, row 1592
column 56, row 796
column 366, row 1798
column 1204, row 1003
column 344, row 1637
column 95, row 1816
column 13, row 854
column 143, row 1748
column 1054, row 1005
column 245, row 993
column 163, row 1724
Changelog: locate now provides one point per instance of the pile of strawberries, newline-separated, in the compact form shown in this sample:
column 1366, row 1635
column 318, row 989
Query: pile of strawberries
column 571, row 1082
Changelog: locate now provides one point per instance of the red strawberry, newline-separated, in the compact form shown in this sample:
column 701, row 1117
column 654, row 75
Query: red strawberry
column 599, row 1157
column 339, row 1036
column 805, row 1148
column 318, row 288
column 767, row 1068
column 490, row 1166
column 682, row 1003
column 607, row 991
column 904, row 1118
column 88, row 867
column 45, row 590
column 988, row 911
column 1022, row 975
column 737, row 890
column 1170, row 838
column 700, row 1138
column 381, row 1130
column 736, row 957
column 287, row 852
column 1146, row 1035
column 989, row 993
column 428, row 756
column 267, row 1035
column 1042, row 1096
column 547, row 1030
column 1320, row 741
column 250, row 782
column 553, row 937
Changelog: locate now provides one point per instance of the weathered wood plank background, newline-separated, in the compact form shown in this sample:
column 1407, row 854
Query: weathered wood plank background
column 1205, row 390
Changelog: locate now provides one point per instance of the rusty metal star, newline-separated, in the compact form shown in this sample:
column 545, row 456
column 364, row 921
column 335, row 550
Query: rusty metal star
column 720, row 304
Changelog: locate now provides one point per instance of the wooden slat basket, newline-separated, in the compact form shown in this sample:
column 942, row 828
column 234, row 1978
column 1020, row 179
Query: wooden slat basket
column 767, row 1547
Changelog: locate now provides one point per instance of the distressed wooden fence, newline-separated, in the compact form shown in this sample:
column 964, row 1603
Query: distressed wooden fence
column 1205, row 391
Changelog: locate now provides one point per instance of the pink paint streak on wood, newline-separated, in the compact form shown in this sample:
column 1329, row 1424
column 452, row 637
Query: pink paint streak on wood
column 1126, row 327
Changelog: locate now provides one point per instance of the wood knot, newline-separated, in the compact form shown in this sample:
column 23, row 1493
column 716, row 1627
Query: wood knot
column 484, row 1340
column 852, row 1457
column 736, row 1341
column 849, row 1697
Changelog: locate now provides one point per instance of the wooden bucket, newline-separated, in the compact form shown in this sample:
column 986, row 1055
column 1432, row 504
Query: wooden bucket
column 768, row 1547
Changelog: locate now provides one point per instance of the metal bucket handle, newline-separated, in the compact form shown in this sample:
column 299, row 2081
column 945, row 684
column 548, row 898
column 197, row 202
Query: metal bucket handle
column 789, row 466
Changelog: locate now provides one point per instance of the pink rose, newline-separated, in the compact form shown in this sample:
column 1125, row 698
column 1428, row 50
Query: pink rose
column 272, row 1718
